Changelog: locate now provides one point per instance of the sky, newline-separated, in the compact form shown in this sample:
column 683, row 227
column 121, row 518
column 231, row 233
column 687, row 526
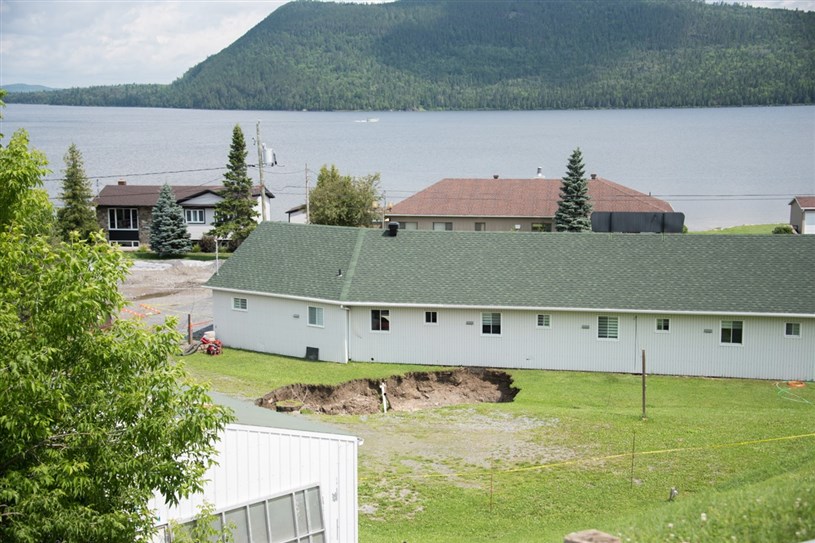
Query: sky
column 81, row 43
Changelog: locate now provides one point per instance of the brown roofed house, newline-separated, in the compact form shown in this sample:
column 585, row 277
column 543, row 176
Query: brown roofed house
column 802, row 214
column 509, row 204
column 125, row 211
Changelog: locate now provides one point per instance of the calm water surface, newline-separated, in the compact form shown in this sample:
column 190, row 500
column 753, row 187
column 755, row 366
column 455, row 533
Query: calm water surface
column 721, row 167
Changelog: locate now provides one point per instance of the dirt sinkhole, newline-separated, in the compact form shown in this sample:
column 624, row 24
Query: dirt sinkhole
column 409, row 392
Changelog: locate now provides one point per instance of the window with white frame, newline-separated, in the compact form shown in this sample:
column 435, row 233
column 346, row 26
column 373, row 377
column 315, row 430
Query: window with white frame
column 792, row 329
column 431, row 317
column 315, row 316
column 491, row 324
column 480, row 227
column 195, row 216
column 239, row 304
column 125, row 243
column 409, row 225
column 732, row 332
column 294, row 517
column 442, row 226
column 663, row 325
column 123, row 218
column 380, row 320
column 544, row 321
column 608, row 327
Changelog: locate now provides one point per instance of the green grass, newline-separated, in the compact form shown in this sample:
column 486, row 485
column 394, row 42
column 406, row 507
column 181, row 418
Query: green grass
column 749, row 229
column 716, row 440
column 147, row 255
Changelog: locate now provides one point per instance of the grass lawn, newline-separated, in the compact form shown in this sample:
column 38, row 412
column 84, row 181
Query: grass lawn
column 558, row 459
column 750, row 229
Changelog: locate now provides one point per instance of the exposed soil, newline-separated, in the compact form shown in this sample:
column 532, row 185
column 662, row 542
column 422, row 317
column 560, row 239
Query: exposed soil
column 410, row 392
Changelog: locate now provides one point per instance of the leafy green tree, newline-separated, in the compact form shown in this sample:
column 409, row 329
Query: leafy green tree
column 96, row 413
column 168, row 231
column 342, row 200
column 235, row 215
column 574, row 208
column 78, row 213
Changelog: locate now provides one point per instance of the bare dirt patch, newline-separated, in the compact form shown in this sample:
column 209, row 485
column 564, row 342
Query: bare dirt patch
column 411, row 392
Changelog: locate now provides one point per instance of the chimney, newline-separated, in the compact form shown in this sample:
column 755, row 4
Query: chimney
column 121, row 182
column 393, row 228
column 594, row 176
column 495, row 176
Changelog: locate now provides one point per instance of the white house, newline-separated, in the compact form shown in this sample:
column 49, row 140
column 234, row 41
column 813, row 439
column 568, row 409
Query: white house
column 802, row 214
column 730, row 306
column 125, row 211
column 279, row 478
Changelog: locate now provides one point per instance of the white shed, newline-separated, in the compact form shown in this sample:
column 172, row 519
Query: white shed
column 802, row 214
column 280, row 478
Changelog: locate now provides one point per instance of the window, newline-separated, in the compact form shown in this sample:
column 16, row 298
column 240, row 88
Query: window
column 408, row 225
column 315, row 316
column 380, row 320
column 491, row 324
column 663, row 325
column 239, row 304
column 431, row 317
column 123, row 219
column 732, row 332
column 608, row 327
column 291, row 518
column 124, row 244
column 480, row 227
column 792, row 329
column 442, row 226
column 540, row 227
column 544, row 321
column 194, row 216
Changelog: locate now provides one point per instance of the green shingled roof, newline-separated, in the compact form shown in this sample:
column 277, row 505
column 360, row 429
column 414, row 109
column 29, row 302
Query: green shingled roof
column 648, row 272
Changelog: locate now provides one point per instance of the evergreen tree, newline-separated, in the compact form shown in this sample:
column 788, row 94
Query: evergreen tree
column 235, row 215
column 342, row 200
column 168, row 231
column 78, row 213
column 574, row 209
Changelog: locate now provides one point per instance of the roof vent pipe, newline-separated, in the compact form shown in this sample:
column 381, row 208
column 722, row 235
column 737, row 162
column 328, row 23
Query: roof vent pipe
column 495, row 176
column 540, row 171
column 594, row 176
column 393, row 228
column 121, row 182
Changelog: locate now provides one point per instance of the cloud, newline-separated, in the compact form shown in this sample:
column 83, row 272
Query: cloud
column 79, row 43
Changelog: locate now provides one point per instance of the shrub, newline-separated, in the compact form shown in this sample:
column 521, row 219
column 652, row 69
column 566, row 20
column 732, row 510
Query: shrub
column 783, row 229
column 207, row 244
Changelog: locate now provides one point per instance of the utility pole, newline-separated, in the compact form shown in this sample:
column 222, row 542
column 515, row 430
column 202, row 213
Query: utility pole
column 308, row 205
column 260, row 171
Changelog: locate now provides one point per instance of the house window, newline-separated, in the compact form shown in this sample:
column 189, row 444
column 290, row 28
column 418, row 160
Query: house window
column 480, row 227
column 663, row 325
column 315, row 316
column 408, row 225
column 544, row 321
column 539, row 227
column 431, row 317
column 123, row 219
column 491, row 324
column 239, row 304
column 194, row 216
column 442, row 226
column 792, row 329
column 608, row 327
column 125, row 244
column 292, row 517
column 380, row 320
column 732, row 332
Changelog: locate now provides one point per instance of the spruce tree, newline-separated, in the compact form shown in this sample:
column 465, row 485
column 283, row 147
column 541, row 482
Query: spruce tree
column 78, row 213
column 168, row 231
column 235, row 215
column 574, row 209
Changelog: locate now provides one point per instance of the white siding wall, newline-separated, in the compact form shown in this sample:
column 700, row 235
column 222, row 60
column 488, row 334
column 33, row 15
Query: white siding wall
column 256, row 462
column 269, row 325
column 568, row 344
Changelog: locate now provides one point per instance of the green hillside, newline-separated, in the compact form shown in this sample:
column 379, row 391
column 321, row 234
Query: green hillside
column 494, row 54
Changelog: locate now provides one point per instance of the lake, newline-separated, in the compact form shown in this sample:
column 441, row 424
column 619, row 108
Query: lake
column 721, row 167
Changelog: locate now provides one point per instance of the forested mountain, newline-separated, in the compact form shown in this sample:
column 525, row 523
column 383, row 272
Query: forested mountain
column 494, row 54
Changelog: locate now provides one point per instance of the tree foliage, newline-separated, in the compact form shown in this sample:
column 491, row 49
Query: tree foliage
column 342, row 200
column 574, row 208
column 235, row 215
column 77, row 213
column 96, row 413
column 494, row 54
column 168, row 229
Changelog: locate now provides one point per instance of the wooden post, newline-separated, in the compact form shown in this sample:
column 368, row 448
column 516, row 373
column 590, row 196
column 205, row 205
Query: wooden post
column 189, row 328
column 643, row 385
column 633, row 449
